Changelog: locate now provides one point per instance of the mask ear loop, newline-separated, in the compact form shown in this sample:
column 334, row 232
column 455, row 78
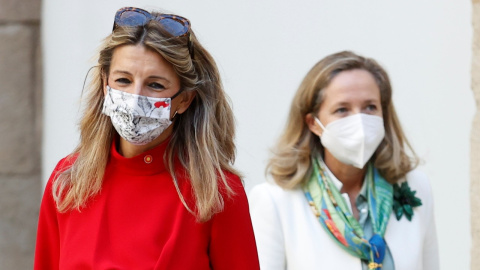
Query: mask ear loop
column 173, row 117
column 174, row 96
column 320, row 123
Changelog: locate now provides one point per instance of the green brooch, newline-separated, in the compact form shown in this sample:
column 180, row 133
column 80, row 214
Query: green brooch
column 404, row 200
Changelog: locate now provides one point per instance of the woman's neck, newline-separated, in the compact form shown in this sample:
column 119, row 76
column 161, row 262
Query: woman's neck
column 351, row 177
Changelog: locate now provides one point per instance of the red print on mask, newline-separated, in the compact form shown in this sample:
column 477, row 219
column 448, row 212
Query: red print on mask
column 161, row 104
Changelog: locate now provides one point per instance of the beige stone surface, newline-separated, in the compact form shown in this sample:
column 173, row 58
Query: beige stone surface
column 20, row 10
column 20, row 199
column 17, row 117
column 476, row 52
column 475, row 141
column 38, row 100
column 20, row 130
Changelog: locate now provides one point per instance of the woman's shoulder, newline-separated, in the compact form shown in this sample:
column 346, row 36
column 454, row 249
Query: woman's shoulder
column 62, row 165
column 419, row 182
column 66, row 162
column 234, row 182
column 273, row 192
column 270, row 187
column 232, row 190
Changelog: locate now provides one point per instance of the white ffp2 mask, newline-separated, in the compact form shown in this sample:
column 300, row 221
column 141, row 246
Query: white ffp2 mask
column 353, row 139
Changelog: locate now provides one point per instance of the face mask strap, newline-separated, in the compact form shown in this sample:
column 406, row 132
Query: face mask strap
column 174, row 115
column 174, row 96
column 178, row 93
column 320, row 123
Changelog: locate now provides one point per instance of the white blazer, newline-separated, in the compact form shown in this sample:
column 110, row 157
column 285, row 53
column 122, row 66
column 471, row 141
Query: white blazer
column 290, row 237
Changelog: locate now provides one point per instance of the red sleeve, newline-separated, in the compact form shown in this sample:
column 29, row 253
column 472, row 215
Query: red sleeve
column 47, row 249
column 232, row 244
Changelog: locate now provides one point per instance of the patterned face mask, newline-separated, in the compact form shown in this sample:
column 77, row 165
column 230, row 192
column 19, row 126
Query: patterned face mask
column 138, row 119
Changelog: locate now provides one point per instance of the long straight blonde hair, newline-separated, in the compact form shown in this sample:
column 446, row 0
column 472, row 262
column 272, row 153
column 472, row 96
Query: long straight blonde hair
column 202, row 137
column 290, row 164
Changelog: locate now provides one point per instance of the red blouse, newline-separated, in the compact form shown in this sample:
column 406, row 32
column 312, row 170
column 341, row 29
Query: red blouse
column 138, row 222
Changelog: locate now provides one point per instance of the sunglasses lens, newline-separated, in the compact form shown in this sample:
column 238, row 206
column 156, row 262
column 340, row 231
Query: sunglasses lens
column 132, row 18
column 174, row 27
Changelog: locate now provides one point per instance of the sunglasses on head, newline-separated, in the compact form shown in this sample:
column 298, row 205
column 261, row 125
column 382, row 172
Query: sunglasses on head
column 175, row 25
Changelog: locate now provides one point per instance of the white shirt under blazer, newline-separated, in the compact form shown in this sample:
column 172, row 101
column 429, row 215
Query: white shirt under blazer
column 290, row 237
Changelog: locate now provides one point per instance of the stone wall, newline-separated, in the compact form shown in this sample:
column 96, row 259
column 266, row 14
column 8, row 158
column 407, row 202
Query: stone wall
column 475, row 140
column 20, row 131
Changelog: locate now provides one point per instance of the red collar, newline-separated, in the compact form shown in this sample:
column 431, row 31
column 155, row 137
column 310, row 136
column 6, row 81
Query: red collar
column 149, row 162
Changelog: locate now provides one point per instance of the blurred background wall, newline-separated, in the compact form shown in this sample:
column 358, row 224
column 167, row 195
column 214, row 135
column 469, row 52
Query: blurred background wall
column 475, row 141
column 20, row 130
column 263, row 49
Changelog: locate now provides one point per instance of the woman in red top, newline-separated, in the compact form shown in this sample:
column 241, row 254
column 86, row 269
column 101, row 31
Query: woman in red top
column 151, row 183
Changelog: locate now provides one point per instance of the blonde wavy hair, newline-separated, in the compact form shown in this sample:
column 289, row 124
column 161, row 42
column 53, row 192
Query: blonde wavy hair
column 290, row 164
column 202, row 137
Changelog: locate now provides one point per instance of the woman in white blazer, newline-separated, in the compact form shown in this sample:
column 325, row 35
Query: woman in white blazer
column 345, row 194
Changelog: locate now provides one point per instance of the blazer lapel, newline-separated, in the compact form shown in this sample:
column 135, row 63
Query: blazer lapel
column 404, row 240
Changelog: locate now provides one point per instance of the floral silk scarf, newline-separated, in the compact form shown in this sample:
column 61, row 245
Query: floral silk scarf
column 337, row 219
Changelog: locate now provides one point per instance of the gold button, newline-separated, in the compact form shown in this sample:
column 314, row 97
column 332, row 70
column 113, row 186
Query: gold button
column 148, row 159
